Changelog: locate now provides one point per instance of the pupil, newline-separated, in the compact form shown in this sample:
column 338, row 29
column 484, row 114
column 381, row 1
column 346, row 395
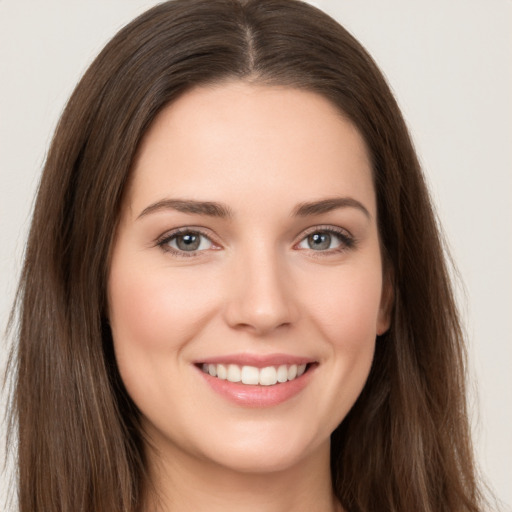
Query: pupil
column 319, row 241
column 189, row 242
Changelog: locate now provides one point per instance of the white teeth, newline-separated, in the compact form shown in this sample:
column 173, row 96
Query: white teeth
column 267, row 376
column 250, row 375
column 234, row 373
column 222, row 372
column 282, row 373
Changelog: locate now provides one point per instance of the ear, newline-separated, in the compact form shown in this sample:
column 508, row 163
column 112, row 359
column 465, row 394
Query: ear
column 386, row 302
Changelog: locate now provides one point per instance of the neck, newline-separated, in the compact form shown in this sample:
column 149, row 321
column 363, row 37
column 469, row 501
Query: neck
column 183, row 483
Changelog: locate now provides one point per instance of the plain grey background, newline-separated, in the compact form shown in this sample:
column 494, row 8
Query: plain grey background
column 449, row 63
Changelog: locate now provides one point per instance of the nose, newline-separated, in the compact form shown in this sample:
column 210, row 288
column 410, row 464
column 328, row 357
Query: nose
column 261, row 297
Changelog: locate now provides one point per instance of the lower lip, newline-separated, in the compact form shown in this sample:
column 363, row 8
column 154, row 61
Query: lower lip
column 258, row 396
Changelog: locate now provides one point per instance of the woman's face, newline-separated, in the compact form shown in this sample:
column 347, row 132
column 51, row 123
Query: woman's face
column 247, row 249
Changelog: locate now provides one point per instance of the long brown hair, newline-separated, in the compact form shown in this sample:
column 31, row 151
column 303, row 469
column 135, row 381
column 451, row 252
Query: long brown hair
column 404, row 446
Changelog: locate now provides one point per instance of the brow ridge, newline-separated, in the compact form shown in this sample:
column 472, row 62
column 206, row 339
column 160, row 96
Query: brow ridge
column 327, row 205
column 209, row 208
column 214, row 209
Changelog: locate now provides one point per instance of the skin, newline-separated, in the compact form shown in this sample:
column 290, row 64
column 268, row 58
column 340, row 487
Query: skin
column 254, row 286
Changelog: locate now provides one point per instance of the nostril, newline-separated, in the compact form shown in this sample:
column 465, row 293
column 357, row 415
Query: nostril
column 261, row 305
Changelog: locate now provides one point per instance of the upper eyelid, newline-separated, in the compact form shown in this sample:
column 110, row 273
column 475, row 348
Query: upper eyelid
column 345, row 237
column 162, row 242
column 325, row 228
column 185, row 229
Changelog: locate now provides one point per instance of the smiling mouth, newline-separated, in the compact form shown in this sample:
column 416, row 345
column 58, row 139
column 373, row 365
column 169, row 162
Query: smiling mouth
column 253, row 376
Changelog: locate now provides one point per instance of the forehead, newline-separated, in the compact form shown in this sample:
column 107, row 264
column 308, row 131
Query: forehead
column 235, row 140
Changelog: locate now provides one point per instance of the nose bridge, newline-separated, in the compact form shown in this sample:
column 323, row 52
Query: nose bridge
column 261, row 297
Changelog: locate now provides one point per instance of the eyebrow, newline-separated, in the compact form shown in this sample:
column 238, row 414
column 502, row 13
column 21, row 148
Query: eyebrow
column 214, row 209
column 328, row 205
column 208, row 208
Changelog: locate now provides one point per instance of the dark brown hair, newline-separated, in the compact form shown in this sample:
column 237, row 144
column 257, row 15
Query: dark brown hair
column 404, row 446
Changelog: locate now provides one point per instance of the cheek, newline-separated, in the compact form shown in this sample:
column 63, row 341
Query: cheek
column 154, row 308
column 345, row 305
column 153, row 314
column 345, row 311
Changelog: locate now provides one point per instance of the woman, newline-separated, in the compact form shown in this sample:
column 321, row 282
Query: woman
column 234, row 291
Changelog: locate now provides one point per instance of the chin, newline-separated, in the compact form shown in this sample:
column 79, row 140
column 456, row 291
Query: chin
column 260, row 453
column 260, row 462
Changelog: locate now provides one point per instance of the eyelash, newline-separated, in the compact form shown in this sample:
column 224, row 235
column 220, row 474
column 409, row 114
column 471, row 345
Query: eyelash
column 168, row 237
column 347, row 241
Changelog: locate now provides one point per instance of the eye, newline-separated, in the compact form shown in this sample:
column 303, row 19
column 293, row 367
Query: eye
column 186, row 241
column 326, row 240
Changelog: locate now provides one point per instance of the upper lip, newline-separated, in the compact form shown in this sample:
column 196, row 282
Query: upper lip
column 257, row 360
